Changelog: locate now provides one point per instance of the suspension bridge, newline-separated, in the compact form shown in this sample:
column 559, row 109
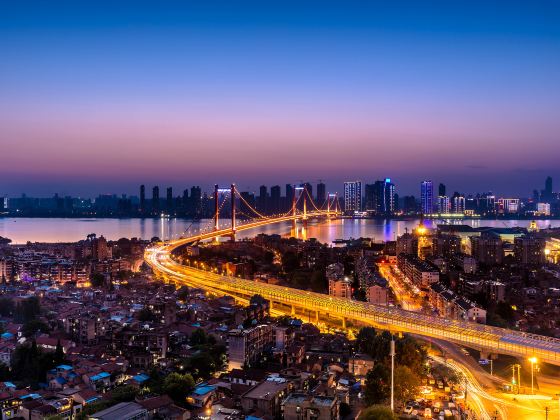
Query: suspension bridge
column 316, row 306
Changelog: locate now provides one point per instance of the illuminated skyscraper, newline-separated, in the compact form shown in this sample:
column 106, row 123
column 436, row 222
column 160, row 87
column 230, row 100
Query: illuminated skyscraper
column 352, row 196
column 427, row 197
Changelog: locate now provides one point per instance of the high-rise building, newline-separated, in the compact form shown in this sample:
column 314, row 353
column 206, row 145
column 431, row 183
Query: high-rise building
column 443, row 204
column 142, row 207
column 309, row 188
column 459, row 205
column 155, row 199
column 289, row 195
column 262, row 200
column 529, row 249
column 380, row 197
column 441, row 190
column 169, row 200
column 196, row 201
column 427, row 197
column 352, row 196
column 547, row 192
column 321, row 194
column 275, row 196
column 409, row 204
column 508, row 205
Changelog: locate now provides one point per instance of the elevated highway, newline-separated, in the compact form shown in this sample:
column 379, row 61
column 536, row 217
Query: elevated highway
column 484, row 338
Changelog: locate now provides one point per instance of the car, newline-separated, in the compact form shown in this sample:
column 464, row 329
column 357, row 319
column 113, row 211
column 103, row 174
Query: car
column 408, row 409
column 428, row 413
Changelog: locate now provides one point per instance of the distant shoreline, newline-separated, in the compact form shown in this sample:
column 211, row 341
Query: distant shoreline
column 410, row 217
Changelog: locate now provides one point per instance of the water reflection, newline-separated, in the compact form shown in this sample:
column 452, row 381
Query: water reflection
column 67, row 230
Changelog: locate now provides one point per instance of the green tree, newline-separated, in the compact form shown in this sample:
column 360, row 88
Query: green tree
column 124, row 393
column 406, row 383
column 410, row 353
column 178, row 386
column 378, row 385
column 377, row 412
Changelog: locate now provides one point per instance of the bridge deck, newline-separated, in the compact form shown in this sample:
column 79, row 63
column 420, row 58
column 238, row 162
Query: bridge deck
column 483, row 337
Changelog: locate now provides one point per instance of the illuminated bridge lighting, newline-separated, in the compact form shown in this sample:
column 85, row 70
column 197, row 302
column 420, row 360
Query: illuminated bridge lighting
column 478, row 336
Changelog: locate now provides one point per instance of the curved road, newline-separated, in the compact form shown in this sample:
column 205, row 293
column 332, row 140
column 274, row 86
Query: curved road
column 482, row 337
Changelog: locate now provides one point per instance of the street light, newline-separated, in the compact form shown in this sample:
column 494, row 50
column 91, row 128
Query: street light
column 392, row 354
column 533, row 360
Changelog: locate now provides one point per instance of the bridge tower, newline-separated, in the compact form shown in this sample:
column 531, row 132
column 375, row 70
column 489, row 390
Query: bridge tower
column 232, row 195
column 294, row 201
column 216, row 208
column 305, row 194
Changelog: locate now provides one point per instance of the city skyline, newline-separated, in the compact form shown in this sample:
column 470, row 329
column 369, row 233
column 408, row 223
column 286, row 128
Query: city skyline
column 102, row 97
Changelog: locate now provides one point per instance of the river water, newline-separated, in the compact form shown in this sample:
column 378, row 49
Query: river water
column 21, row 230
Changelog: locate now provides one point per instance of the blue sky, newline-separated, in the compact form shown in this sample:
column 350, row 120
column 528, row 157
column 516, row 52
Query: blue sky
column 102, row 96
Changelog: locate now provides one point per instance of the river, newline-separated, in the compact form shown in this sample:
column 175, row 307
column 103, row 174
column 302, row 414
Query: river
column 21, row 230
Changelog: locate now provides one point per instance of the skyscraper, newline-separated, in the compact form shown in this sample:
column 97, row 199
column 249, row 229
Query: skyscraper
column 275, row 193
column 427, row 197
column 380, row 197
column 142, row 207
column 196, row 201
column 443, row 204
column 352, row 196
column 459, row 204
column 547, row 192
column 321, row 194
column 169, row 202
column 262, row 200
column 155, row 199
column 441, row 190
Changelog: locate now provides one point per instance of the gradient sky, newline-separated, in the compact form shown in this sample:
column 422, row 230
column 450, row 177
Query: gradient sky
column 101, row 96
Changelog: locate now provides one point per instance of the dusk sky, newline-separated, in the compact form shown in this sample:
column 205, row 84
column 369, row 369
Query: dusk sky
column 103, row 96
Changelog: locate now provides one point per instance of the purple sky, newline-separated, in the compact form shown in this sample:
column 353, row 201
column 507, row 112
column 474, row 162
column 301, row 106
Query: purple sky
column 101, row 99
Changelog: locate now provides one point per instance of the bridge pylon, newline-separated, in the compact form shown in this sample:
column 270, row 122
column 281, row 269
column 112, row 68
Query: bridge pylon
column 233, row 227
column 294, row 201
column 216, row 207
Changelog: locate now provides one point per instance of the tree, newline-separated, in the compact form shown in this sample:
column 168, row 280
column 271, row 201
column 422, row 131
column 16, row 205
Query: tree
column 410, row 353
column 33, row 326
column 290, row 261
column 366, row 339
column 146, row 315
column 178, row 386
column 6, row 306
column 406, row 383
column 97, row 280
column 377, row 412
column 124, row 393
column 183, row 293
column 198, row 337
column 58, row 353
column 378, row 385
column 344, row 410
column 27, row 310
